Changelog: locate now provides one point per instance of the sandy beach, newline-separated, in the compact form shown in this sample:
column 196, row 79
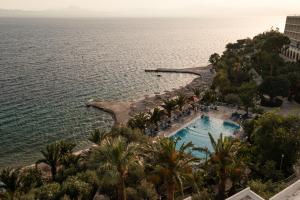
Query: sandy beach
column 123, row 111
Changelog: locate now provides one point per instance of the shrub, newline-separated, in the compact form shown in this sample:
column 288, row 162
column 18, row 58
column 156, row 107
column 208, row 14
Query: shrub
column 76, row 189
column 265, row 189
column 258, row 110
column 232, row 99
column 48, row 192
column 31, row 178
column 268, row 103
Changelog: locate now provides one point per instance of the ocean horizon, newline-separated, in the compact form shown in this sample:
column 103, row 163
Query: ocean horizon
column 50, row 67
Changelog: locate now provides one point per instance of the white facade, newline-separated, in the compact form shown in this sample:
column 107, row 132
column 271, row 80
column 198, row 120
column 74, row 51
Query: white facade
column 292, row 30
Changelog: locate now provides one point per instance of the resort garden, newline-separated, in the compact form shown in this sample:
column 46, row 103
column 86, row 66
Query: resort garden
column 252, row 72
column 134, row 162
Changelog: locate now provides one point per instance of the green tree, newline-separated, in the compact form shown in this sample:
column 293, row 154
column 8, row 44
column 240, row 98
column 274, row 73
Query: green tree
column 114, row 157
column 144, row 190
column 247, row 93
column 169, row 164
column 30, row 178
column 223, row 163
column 97, row 136
column 139, row 121
column 232, row 99
column 222, row 83
column 11, row 181
column 275, row 86
column 180, row 101
column 282, row 137
column 169, row 106
column 209, row 96
column 155, row 116
column 76, row 188
column 197, row 92
column 294, row 79
column 51, row 191
column 214, row 59
column 271, row 41
column 54, row 154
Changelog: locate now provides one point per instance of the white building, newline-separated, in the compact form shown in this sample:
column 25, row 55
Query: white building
column 292, row 30
column 290, row 193
column 246, row 194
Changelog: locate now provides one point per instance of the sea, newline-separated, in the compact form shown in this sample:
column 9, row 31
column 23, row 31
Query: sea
column 49, row 68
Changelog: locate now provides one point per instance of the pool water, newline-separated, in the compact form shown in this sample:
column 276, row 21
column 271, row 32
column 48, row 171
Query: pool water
column 197, row 132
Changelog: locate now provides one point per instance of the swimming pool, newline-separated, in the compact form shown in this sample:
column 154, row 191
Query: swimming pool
column 197, row 132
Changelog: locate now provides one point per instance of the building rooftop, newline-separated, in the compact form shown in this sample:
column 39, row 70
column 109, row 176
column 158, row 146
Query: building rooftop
column 290, row 193
column 246, row 194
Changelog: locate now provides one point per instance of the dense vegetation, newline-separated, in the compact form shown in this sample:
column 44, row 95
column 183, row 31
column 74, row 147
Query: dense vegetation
column 252, row 70
column 126, row 163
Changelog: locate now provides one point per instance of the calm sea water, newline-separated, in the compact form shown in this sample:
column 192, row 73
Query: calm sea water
column 50, row 67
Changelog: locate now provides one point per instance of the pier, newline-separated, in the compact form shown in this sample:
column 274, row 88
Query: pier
column 123, row 111
column 195, row 70
column 118, row 110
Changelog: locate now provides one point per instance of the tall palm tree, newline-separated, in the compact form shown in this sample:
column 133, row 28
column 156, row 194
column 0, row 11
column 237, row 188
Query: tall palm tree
column 169, row 106
column 180, row 101
column 170, row 164
column 197, row 92
column 52, row 156
column 139, row 121
column 114, row 156
column 11, row 181
column 97, row 136
column 155, row 116
column 222, row 160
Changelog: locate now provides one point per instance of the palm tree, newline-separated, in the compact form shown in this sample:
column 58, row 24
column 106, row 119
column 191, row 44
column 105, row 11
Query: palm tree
column 139, row 121
column 223, row 159
column 169, row 106
column 180, row 101
column 172, row 165
column 114, row 156
column 197, row 92
column 66, row 147
column 97, row 136
column 155, row 116
column 10, row 179
column 52, row 156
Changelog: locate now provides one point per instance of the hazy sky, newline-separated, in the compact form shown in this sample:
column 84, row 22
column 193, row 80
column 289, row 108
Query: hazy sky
column 163, row 7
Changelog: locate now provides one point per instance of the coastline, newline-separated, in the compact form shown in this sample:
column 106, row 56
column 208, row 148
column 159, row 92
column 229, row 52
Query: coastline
column 123, row 111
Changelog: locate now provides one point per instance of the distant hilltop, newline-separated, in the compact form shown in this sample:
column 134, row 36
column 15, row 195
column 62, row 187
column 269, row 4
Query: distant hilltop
column 66, row 12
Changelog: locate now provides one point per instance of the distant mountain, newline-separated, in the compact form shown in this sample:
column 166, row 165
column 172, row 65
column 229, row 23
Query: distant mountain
column 67, row 12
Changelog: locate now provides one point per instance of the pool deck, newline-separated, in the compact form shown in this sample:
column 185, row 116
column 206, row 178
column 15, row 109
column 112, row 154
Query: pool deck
column 222, row 113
